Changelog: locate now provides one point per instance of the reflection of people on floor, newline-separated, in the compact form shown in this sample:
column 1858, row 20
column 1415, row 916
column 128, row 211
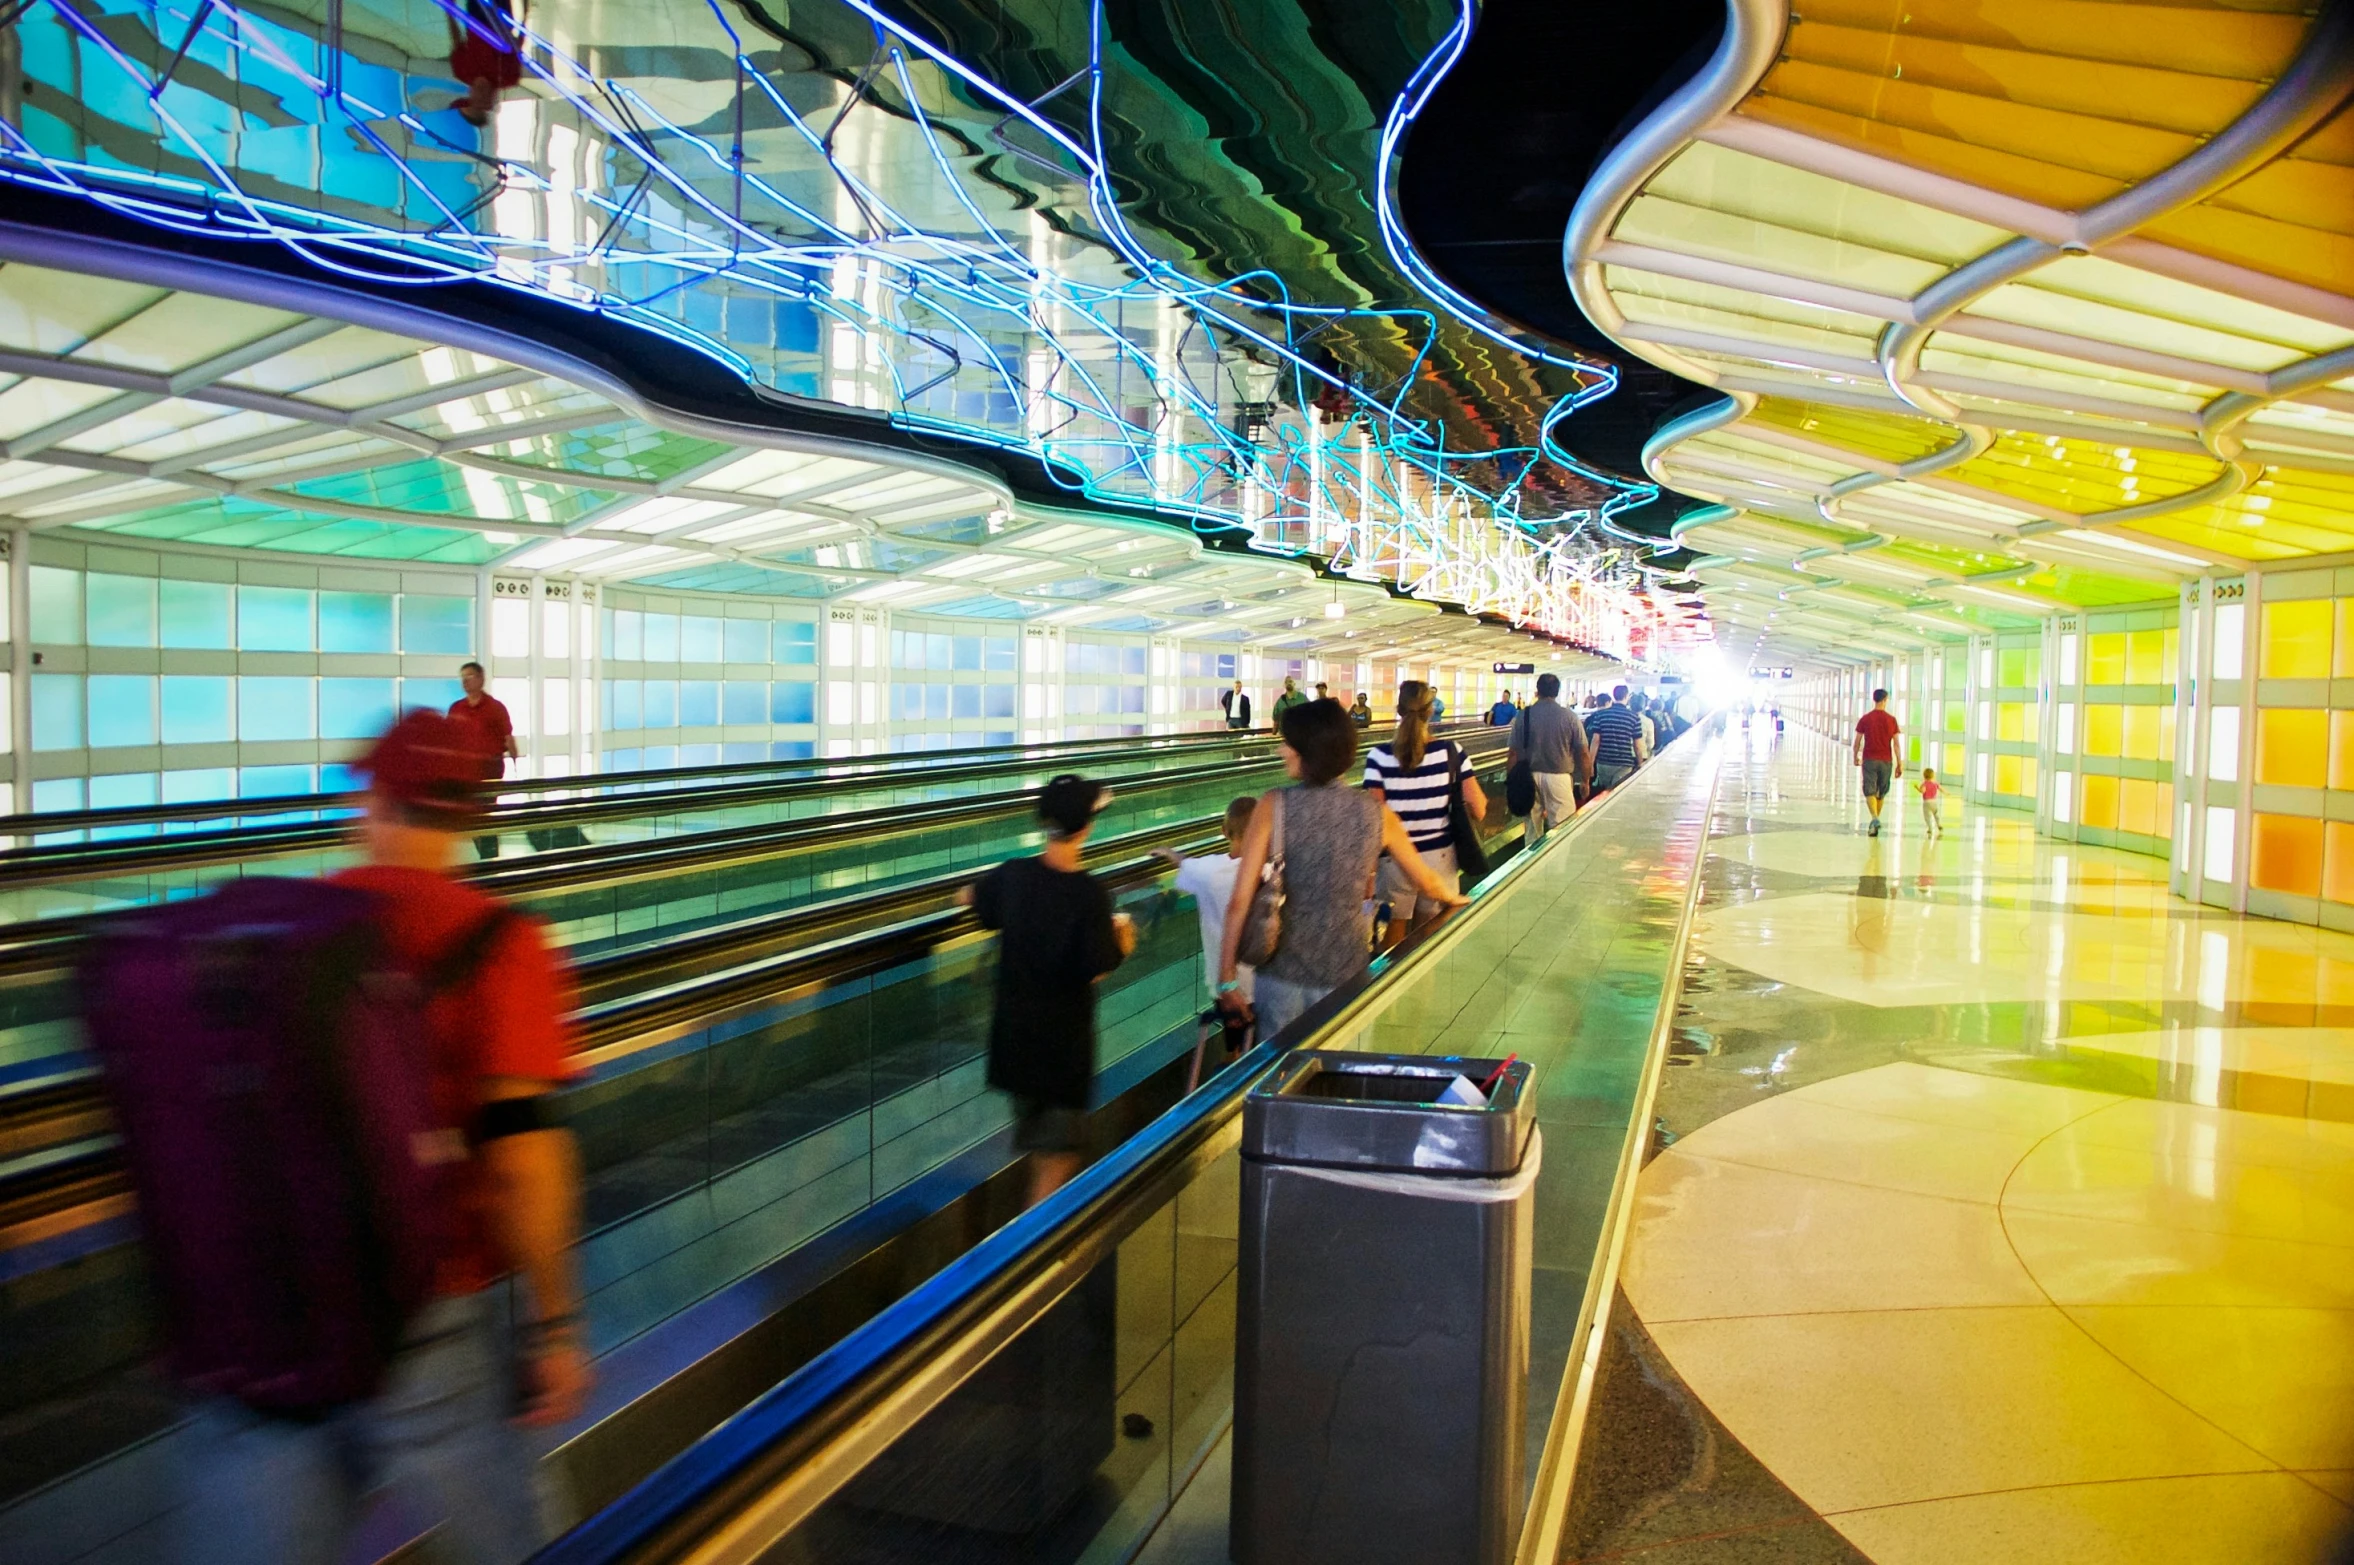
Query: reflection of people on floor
column 1875, row 908
column 486, row 56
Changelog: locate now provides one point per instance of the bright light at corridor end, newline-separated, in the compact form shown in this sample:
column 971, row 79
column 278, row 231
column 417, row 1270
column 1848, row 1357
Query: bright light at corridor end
column 1717, row 682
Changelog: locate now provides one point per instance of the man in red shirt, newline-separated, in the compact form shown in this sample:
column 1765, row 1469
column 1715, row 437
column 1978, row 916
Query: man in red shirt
column 1875, row 752
column 486, row 729
column 269, row 1490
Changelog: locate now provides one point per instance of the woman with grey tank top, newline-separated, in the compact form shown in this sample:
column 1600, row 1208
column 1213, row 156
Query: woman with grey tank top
column 1333, row 837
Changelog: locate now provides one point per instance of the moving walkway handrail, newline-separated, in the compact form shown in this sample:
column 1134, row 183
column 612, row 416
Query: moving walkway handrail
column 54, row 864
column 744, row 1486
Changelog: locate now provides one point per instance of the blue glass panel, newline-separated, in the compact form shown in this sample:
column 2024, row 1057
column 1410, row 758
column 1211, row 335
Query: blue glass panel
column 342, row 779
column 733, row 754
column 57, row 711
column 998, row 654
column 355, row 622
column 939, row 652
column 195, row 614
column 272, row 782
column 907, row 703
column 122, row 709
column 355, row 708
column 698, row 703
column 968, row 652
column 661, row 638
column 199, row 785
column 274, row 706
column 698, row 755
column 964, row 700
column 437, row 624
column 698, row 639
column 791, row 750
column 122, row 610
column 624, row 760
column 744, row 701
column 57, row 606
column 792, row 701
column 1132, row 661
column 662, row 704
column 274, row 619
column 997, row 700
column 660, row 757
column 628, row 697
column 795, row 642
column 746, row 640
column 121, row 790
column 59, row 793
column 936, row 703
column 196, row 709
column 629, row 636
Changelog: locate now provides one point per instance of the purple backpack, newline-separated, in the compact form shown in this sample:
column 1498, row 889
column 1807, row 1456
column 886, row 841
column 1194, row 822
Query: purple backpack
column 270, row 1070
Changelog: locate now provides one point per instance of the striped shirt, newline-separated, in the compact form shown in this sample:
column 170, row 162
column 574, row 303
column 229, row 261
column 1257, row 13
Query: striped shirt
column 1419, row 796
column 1614, row 731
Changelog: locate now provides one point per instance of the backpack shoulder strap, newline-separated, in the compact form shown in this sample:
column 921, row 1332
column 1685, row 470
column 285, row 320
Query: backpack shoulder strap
column 458, row 965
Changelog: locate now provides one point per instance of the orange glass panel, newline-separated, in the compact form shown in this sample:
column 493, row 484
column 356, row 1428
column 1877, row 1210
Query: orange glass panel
column 2294, row 640
column 2104, row 662
column 2286, row 855
column 2137, row 806
column 2145, row 657
column 2100, row 803
column 2341, row 750
column 2141, row 732
column 2292, row 747
column 2104, row 729
column 2337, row 861
column 2341, row 663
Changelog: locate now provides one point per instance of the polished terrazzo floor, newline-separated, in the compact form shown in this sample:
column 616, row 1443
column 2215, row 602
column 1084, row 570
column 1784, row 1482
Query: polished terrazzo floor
column 2005, row 1211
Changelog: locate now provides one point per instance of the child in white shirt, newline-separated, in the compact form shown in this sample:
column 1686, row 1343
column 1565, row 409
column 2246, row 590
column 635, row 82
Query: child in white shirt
column 1209, row 880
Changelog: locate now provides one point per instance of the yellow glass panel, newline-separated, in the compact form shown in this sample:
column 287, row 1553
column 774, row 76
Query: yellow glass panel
column 2018, row 667
column 2165, row 810
column 1952, row 764
column 2294, row 640
column 2145, row 657
column 2166, row 734
column 2292, row 747
column 2006, row 774
column 2010, row 721
column 2341, row 663
column 2341, row 751
column 2104, row 661
column 2027, row 765
column 2137, row 806
column 1957, row 718
column 2286, row 855
column 2141, row 732
column 2100, row 803
column 2104, row 728
column 2170, row 657
column 2337, row 861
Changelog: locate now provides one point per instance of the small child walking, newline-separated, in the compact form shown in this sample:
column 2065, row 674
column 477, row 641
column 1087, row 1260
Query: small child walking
column 1209, row 880
column 1931, row 792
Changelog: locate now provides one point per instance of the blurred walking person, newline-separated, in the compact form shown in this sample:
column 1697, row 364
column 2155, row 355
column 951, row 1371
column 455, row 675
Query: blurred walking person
column 487, row 729
column 338, row 1100
column 1419, row 778
column 1548, row 737
column 1057, row 935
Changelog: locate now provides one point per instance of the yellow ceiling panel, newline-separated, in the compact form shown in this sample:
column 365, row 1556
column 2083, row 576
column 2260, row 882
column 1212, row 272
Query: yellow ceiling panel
column 2047, row 380
column 1746, row 328
column 2110, row 282
column 2080, row 476
column 2303, row 191
column 1991, row 168
column 2082, row 144
column 2294, row 251
column 2245, row 38
column 1887, row 437
column 2031, row 303
column 1738, row 303
column 1731, row 444
column 2187, row 102
column 1725, row 236
column 1776, row 194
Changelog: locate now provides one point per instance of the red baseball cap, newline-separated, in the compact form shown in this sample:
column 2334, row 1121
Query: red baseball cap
column 425, row 763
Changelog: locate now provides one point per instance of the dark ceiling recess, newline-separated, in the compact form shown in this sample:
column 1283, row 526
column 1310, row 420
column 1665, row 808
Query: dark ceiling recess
column 1495, row 163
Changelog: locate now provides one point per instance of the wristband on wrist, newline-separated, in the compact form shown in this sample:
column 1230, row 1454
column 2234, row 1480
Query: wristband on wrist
column 1230, row 986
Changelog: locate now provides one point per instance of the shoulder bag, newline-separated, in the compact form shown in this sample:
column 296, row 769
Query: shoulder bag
column 1462, row 831
column 1262, row 925
column 1520, row 783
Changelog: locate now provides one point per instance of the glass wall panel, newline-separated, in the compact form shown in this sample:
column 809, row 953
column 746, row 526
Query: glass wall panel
column 2104, row 662
column 121, row 790
column 744, row 700
column 627, row 641
column 2100, row 802
column 355, row 622
column 698, row 702
column 698, row 639
column 196, row 710
column 796, row 642
column 57, row 711
column 57, row 606
column 2145, row 657
column 274, row 707
column 2293, row 640
column 274, row 782
column 438, row 694
column 661, row 703
column 510, row 628
column 2337, row 861
column 121, row 610
column 355, row 708
column 2285, row 854
column 122, row 709
column 194, row 615
column 745, row 641
column 274, row 619
column 2292, row 747
column 792, row 701
column 434, row 624
column 627, row 695
column 661, row 638
column 199, row 785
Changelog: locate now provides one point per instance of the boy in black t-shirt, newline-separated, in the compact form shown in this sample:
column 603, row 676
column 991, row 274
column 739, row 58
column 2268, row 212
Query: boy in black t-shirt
column 1057, row 934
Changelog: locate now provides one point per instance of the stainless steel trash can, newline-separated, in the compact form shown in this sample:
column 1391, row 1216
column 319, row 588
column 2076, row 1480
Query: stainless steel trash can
column 1382, row 1326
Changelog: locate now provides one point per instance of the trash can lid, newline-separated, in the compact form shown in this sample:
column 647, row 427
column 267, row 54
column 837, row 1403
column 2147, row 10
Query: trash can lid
column 1406, row 1113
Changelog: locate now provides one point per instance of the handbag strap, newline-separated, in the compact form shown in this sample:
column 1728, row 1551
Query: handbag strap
column 1275, row 848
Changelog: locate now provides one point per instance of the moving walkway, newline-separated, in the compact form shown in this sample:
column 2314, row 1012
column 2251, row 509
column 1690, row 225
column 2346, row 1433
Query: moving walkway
column 770, row 1078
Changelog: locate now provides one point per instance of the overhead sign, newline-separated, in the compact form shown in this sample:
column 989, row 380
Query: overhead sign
column 1516, row 668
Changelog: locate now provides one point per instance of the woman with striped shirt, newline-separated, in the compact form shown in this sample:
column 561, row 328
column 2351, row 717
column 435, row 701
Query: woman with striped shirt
column 1414, row 775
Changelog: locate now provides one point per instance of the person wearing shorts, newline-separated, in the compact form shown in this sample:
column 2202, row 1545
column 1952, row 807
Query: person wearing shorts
column 1875, row 753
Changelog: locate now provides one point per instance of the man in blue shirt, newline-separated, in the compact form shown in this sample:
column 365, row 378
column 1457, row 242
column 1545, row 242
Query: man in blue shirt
column 1503, row 712
column 1617, row 735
